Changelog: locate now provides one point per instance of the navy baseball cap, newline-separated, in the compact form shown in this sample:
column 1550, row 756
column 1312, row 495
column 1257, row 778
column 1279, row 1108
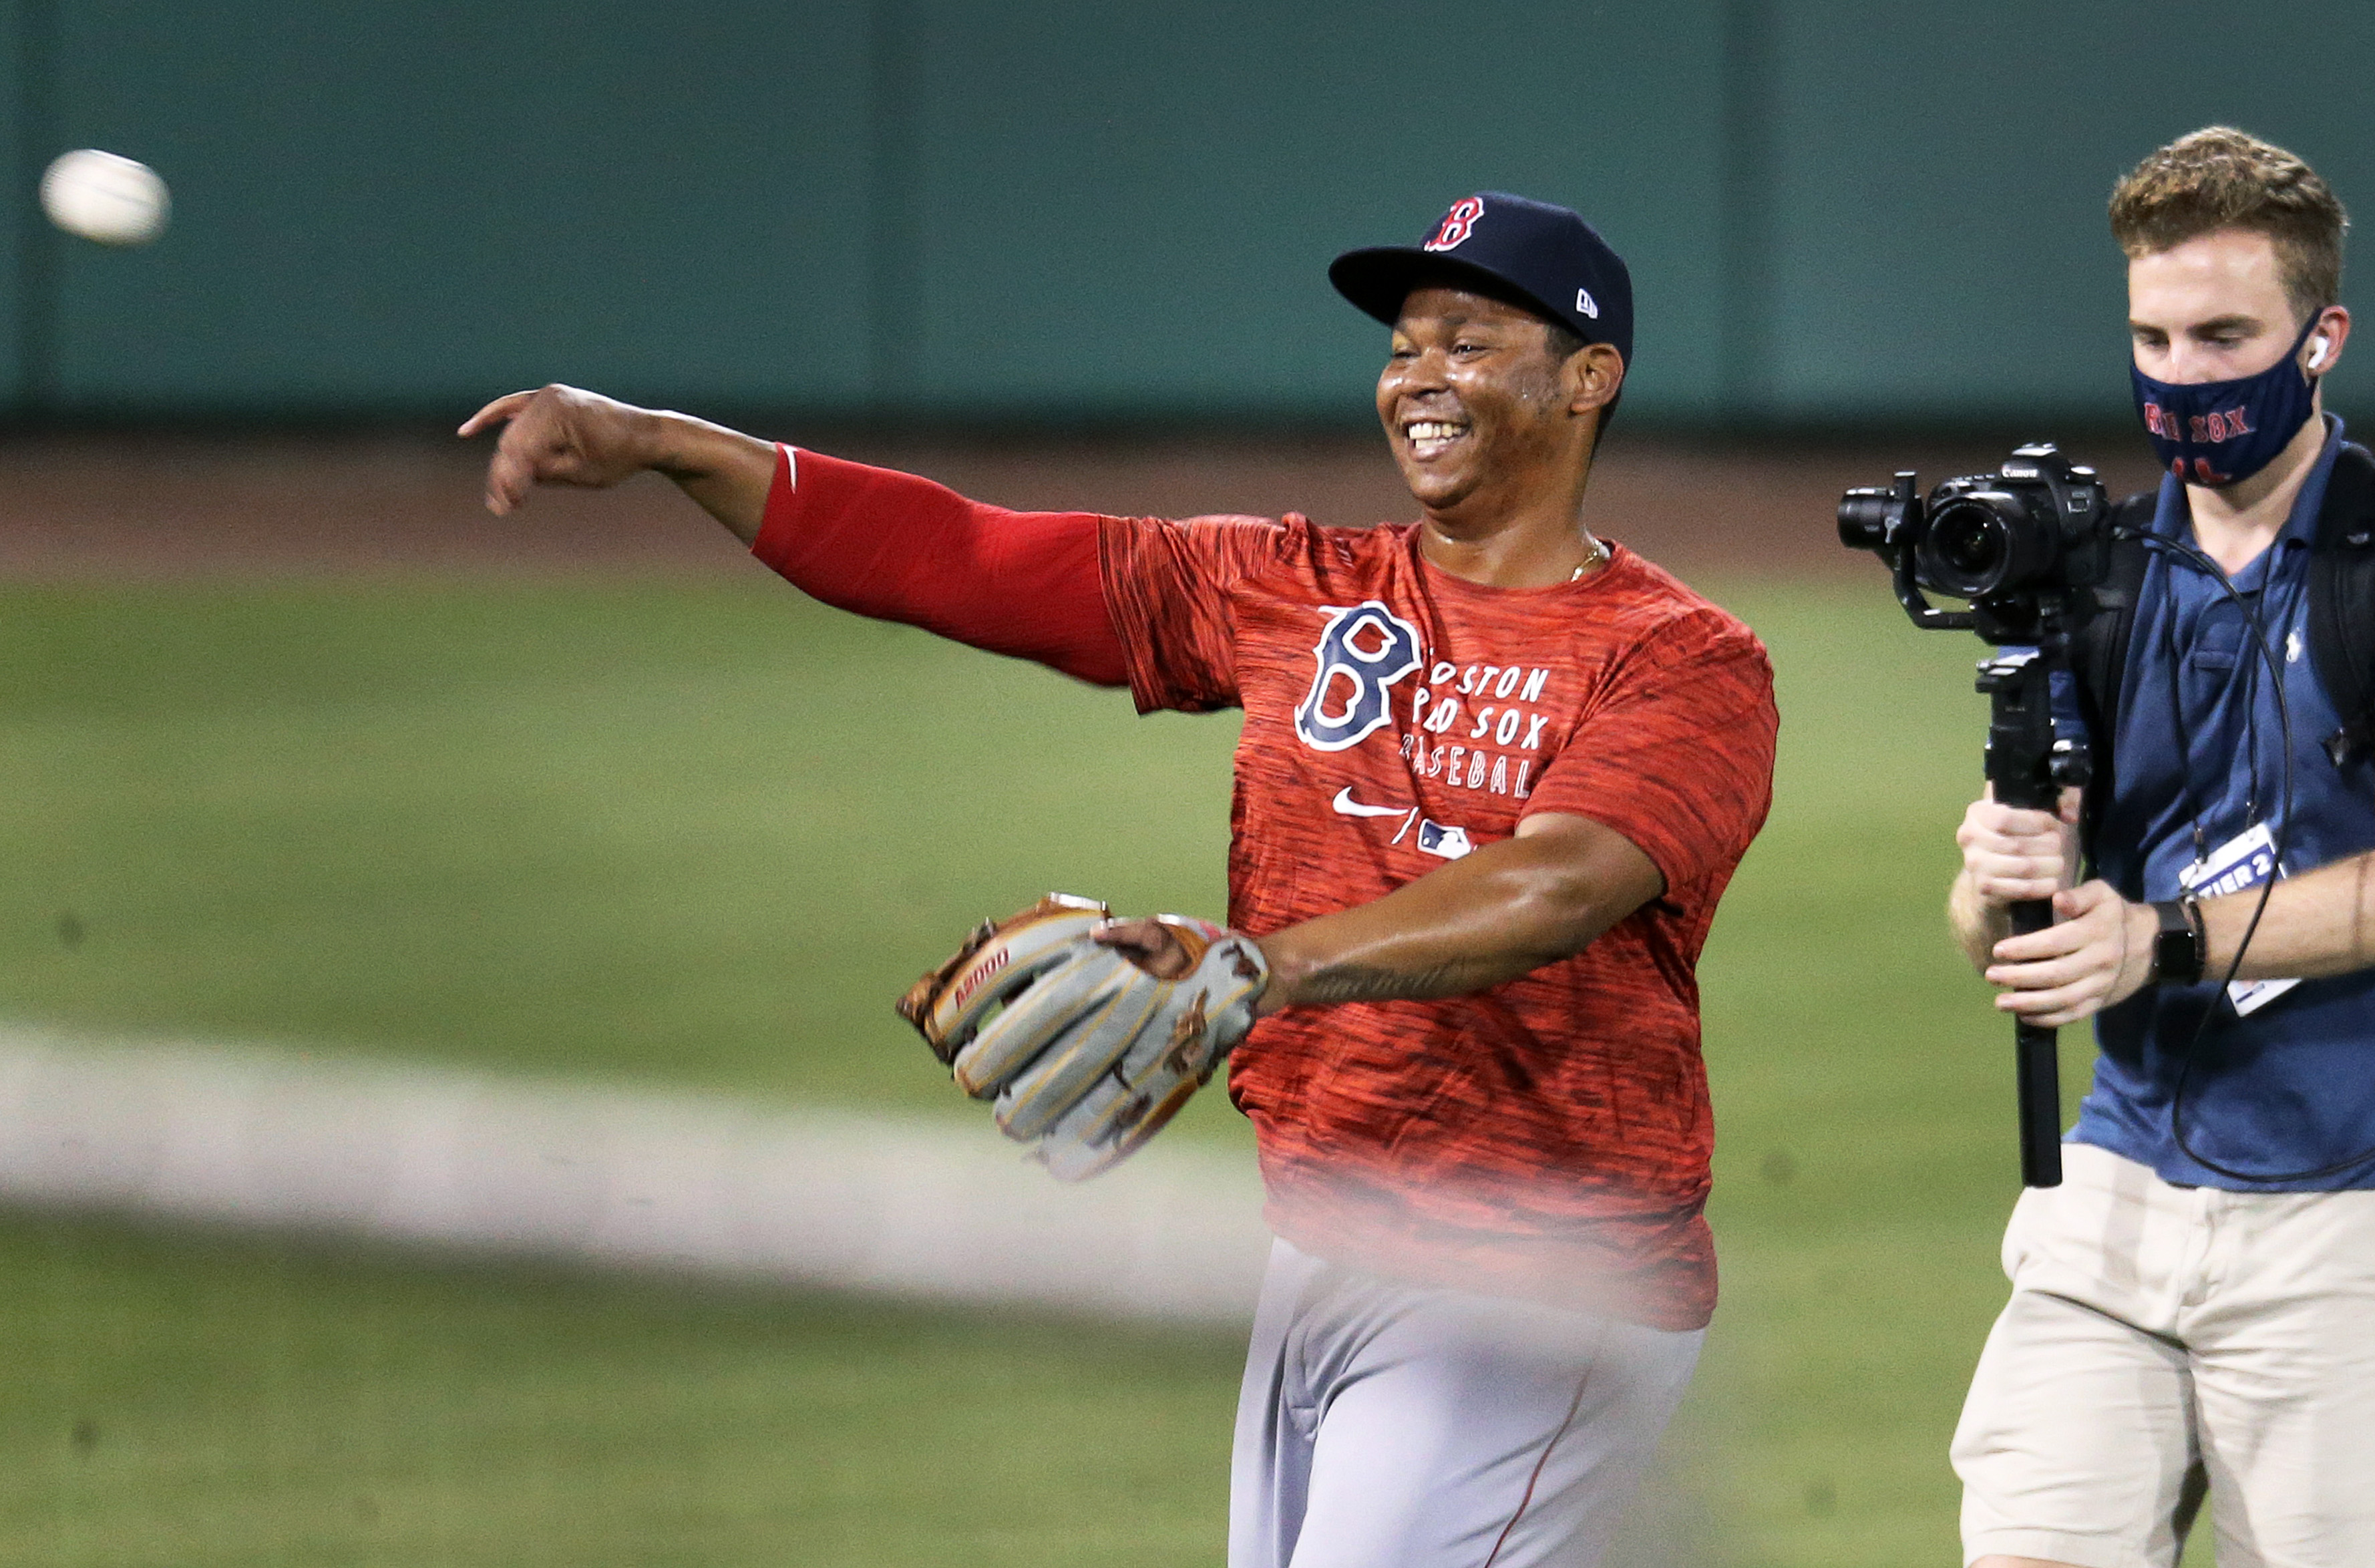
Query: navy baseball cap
column 1550, row 260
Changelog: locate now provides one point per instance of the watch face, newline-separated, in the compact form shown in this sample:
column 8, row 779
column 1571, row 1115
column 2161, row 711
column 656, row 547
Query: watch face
column 2177, row 951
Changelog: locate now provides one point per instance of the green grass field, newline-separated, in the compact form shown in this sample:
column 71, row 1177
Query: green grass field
column 204, row 1403
column 702, row 834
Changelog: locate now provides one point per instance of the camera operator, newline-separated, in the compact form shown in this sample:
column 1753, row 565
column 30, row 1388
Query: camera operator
column 2194, row 1308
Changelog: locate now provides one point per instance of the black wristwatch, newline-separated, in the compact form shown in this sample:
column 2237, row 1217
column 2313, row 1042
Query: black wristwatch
column 2177, row 951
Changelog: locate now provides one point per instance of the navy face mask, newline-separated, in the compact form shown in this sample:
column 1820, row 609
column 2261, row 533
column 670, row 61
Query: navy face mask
column 2215, row 432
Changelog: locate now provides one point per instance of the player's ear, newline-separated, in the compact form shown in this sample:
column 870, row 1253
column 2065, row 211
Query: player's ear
column 1592, row 375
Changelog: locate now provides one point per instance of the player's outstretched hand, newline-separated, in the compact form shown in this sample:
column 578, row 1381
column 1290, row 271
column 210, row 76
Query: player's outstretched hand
column 2096, row 954
column 2011, row 855
column 561, row 435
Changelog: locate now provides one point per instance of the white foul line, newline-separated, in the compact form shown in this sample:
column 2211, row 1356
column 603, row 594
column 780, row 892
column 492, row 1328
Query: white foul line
column 647, row 1178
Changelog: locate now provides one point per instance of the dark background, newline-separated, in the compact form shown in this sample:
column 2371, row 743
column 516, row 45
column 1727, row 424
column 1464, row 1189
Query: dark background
column 1840, row 213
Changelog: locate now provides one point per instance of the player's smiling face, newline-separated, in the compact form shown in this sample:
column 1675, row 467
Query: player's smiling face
column 1476, row 402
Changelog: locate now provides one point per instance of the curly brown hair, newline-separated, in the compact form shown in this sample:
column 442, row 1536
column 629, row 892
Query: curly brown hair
column 2222, row 178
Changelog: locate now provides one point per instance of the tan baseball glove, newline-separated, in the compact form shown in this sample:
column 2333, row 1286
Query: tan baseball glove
column 1084, row 1053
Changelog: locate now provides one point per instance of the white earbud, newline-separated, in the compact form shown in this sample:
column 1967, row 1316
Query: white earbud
column 2316, row 352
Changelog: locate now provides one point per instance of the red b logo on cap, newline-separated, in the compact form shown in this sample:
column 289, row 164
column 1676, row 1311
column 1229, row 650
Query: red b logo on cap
column 1457, row 224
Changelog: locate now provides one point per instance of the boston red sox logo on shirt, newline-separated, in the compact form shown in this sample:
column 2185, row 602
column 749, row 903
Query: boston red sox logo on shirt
column 1457, row 224
column 1362, row 651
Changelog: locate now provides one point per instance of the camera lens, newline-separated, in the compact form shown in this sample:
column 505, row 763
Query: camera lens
column 1968, row 552
column 1984, row 543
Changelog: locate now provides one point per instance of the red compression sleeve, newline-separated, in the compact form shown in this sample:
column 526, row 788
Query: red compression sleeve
column 897, row 547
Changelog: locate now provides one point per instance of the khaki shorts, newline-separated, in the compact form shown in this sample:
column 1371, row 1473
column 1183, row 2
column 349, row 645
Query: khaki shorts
column 2162, row 1341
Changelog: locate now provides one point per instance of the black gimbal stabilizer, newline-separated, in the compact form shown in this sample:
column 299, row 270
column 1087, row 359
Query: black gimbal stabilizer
column 2024, row 549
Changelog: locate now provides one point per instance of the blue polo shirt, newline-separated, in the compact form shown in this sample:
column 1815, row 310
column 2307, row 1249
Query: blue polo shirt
column 2200, row 758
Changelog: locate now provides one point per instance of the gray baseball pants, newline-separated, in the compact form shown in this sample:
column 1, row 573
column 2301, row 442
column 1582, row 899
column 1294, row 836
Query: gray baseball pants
column 1389, row 1425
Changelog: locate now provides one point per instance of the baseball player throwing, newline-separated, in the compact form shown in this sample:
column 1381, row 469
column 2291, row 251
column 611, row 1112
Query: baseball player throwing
column 1495, row 772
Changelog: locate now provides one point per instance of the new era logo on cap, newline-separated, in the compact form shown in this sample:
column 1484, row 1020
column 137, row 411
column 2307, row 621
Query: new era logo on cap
column 1540, row 256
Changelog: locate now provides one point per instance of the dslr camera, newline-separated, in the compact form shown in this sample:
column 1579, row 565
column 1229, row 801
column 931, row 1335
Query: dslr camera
column 2025, row 548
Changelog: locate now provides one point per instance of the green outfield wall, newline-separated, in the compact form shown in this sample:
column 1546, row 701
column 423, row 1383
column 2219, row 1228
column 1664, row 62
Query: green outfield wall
column 1837, row 210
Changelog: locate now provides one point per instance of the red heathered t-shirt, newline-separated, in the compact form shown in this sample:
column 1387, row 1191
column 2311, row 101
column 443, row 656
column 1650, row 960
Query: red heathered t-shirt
column 1548, row 1138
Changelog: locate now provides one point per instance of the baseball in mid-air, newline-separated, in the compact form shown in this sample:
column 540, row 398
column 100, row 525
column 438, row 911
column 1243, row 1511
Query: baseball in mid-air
column 106, row 199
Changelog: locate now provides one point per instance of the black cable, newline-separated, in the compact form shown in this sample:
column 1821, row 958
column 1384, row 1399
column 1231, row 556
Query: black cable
column 2187, row 1058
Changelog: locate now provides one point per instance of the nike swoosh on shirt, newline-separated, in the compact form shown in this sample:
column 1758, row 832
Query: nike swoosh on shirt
column 1346, row 806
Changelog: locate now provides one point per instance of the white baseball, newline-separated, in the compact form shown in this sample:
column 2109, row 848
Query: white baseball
column 103, row 197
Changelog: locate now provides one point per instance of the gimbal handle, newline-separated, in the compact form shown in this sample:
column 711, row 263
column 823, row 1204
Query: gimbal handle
column 2036, row 1075
column 2026, row 771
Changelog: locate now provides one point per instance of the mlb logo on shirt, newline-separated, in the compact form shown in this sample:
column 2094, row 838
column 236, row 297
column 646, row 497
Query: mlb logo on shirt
column 1435, row 837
